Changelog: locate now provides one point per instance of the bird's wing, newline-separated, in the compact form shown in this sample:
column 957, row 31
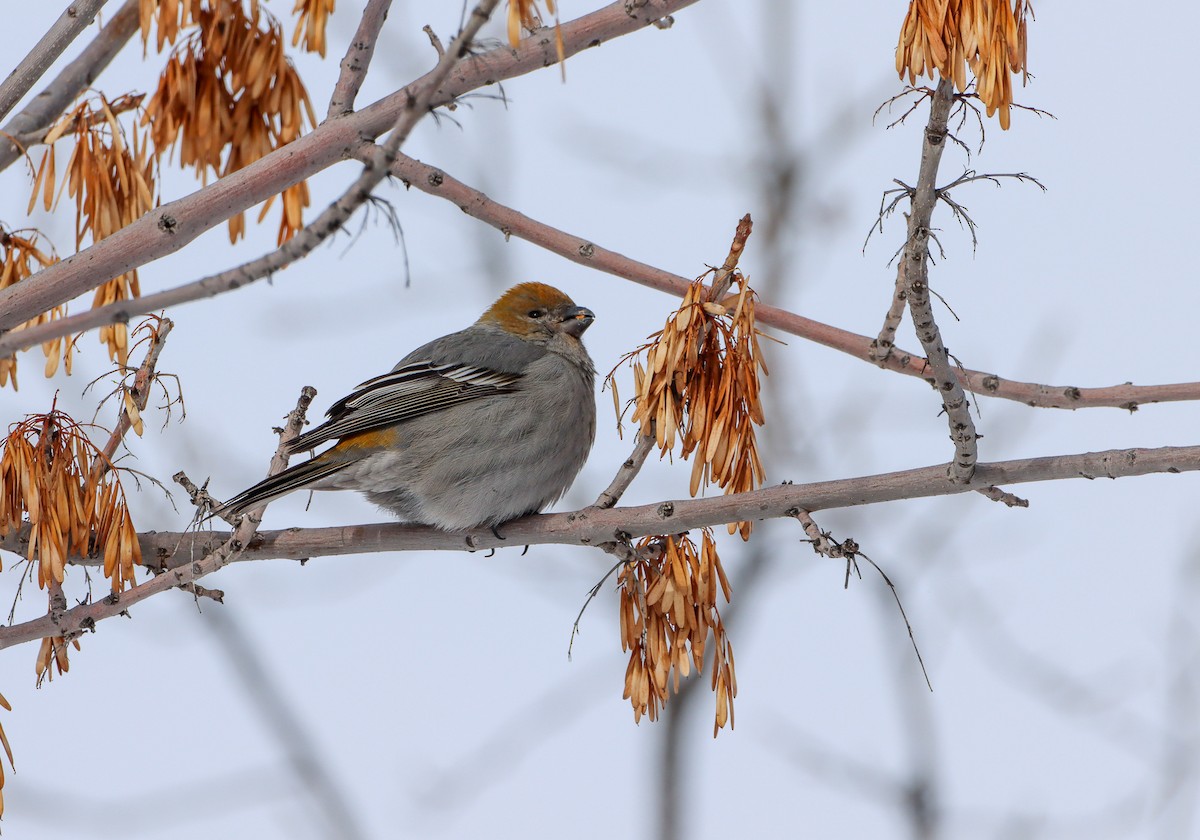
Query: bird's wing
column 412, row 390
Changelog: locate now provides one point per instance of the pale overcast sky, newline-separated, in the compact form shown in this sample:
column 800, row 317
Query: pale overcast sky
column 433, row 691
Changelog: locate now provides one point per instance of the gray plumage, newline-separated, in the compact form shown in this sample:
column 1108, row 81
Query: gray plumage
column 472, row 429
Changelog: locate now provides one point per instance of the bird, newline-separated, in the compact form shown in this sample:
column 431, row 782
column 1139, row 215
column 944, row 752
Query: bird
column 473, row 429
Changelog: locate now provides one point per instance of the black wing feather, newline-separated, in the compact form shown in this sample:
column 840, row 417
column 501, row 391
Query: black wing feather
column 293, row 478
column 410, row 391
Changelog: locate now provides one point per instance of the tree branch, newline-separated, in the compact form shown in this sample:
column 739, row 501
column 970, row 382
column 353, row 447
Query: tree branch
column 580, row 250
column 358, row 59
column 627, row 472
column 913, row 272
column 83, row 618
column 32, row 123
column 437, row 182
column 510, row 222
column 173, row 552
column 140, row 392
column 78, row 15
column 171, row 226
column 885, row 342
column 377, row 160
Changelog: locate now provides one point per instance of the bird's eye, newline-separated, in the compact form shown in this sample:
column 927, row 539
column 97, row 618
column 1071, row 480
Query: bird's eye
column 536, row 313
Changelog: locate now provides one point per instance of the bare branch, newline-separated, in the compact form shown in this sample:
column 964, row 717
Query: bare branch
column 591, row 596
column 75, row 18
column 996, row 494
column 628, row 471
column 577, row 249
column 32, row 123
column 913, row 272
column 885, row 342
column 358, row 58
column 849, row 550
column 140, row 392
column 434, row 40
column 174, row 552
column 171, row 226
column 83, row 618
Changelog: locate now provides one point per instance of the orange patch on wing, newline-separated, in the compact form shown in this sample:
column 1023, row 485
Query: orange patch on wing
column 374, row 439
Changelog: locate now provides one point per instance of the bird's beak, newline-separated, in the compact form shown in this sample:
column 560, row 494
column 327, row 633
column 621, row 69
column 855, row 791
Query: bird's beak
column 577, row 320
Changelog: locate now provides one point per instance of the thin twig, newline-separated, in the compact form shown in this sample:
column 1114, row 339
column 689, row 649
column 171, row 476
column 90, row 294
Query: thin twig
column 627, row 472
column 821, row 540
column 357, row 59
column 83, row 618
column 290, row 431
column 724, row 275
column 885, row 341
column 919, row 94
column 32, row 123
column 140, row 392
column 591, row 596
column 849, row 550
column 434, row 40
column 903, row 615
column 913, row 272
column 200, row 499
column 77, row 17
column 998, row 495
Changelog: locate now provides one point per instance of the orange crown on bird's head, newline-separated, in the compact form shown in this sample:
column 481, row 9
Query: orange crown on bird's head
column 523, row 309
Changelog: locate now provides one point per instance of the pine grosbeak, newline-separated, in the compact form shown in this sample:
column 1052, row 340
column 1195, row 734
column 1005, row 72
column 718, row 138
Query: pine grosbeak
column 472, row 429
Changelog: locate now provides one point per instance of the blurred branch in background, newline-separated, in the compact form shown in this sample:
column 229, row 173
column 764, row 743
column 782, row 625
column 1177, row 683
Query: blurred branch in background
column 326, row 794
column 1175, row 807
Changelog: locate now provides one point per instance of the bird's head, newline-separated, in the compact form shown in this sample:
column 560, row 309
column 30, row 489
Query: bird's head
column 537, row 312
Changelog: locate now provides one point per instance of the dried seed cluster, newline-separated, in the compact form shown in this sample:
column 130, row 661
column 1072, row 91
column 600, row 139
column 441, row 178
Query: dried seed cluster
column 229, row 95
column 700, row 382
column 950, row 36
column 111, row 177
column 20, row 255
column 54, row 477
column 52, row 655
column 312, row 16
column 668, row 600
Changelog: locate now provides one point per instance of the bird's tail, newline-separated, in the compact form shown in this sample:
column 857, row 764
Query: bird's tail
column 280, row 484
